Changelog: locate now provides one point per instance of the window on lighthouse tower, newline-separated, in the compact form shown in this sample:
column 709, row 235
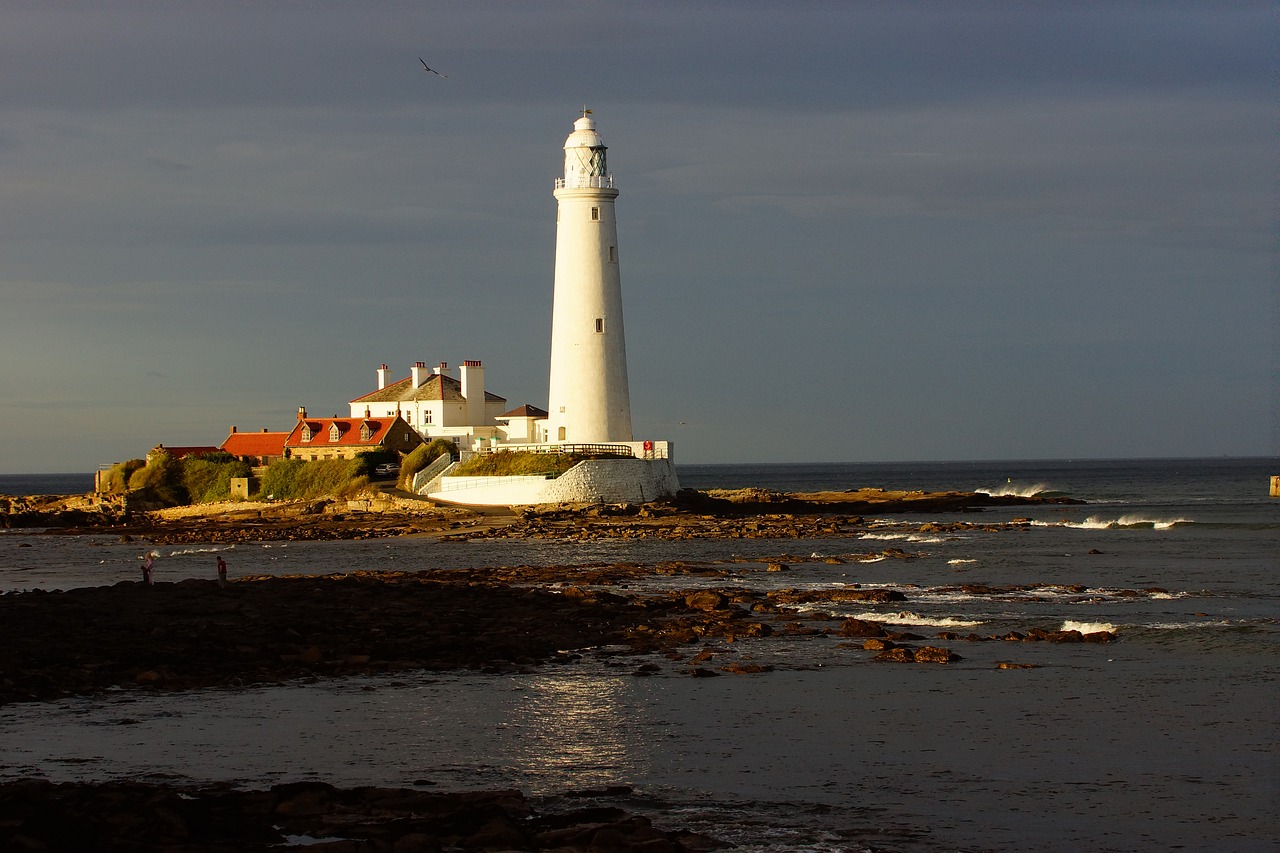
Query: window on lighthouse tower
column 595, row 214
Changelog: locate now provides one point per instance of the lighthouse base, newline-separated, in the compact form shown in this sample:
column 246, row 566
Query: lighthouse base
column 591, row 481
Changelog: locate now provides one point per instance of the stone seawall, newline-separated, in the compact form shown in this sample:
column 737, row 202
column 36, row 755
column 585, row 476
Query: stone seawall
column 614, row 481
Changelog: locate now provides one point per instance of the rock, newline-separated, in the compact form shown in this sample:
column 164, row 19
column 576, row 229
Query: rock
column 745, row 668
column 900, row 654
column 706, row 600
column 778, row 567
column 875, row 644
column 852, row 627
column 1004, row 664
column 935, row 654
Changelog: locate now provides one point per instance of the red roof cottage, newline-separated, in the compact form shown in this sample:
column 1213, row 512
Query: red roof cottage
column 343, row 438
column 258, row 448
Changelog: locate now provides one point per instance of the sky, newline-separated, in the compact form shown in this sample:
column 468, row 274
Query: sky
column 874, row 231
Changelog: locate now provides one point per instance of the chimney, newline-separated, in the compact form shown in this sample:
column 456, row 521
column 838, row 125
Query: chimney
column 264, row 429
column 233, row 429
column 384, row 376
column 473, row 391
column 366, row 413
column 419, row 373
column 302, row 413
column 443, row 369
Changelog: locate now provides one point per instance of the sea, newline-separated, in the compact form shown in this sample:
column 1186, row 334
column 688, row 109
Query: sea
column 1167, row 738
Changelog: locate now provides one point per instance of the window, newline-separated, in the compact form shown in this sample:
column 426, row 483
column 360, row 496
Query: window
column 613, row 254
column 334, row 435
column 561, row 433
column 595, row 214
column 426, row 416
column 599, row 325
column 306, row 433
column 365, row 432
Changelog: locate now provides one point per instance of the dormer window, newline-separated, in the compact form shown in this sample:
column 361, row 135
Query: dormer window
column 306, row 433
column 365, row 432
column 334, row 435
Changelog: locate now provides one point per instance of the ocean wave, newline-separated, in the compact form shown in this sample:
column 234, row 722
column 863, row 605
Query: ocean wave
column 906, row 617
column 1087, row 627
column 960, row 562
column 183, row 552
column 1012, row 489
column 1124, row 522
column 903, row 537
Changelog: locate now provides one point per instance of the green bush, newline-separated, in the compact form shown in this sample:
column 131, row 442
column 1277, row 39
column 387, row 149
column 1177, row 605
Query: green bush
column 208, row 478
column 116, row 480
column 160, row 480
column 290, row 479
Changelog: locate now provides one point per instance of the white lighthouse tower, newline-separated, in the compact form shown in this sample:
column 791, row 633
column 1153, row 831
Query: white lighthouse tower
column 589, row 401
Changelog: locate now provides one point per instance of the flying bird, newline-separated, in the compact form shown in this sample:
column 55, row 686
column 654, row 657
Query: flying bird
column 429, row 69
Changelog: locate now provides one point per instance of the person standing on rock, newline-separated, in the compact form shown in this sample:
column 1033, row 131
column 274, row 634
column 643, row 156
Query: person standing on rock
column 222, row 572
column 148, row 568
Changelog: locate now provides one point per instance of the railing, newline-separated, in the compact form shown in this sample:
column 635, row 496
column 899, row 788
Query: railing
column 580, row 449
column 596, row 182
column 431, row 472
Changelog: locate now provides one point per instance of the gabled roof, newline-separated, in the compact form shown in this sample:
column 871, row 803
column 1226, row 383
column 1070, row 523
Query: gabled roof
column 525, row 411
column 438, row 386
column 255, row 443
column 348, row 432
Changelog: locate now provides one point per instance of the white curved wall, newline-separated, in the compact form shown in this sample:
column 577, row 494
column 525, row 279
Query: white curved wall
column 592, row 481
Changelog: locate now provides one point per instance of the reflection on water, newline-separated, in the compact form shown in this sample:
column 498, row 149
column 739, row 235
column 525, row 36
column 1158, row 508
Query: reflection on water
column 576, row 726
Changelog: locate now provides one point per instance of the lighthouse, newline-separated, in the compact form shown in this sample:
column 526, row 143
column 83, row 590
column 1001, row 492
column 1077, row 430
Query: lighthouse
column 589, row 401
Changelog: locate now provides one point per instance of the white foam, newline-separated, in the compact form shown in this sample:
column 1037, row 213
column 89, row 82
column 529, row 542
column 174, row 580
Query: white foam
column 182, row 552
column 1087, row 627
column 960, row 562
column 1095, row 522
column 1012, row 489
column 906, row 617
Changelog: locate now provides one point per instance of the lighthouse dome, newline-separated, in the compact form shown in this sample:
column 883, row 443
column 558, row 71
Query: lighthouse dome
column 584, row 134
column 585, row 165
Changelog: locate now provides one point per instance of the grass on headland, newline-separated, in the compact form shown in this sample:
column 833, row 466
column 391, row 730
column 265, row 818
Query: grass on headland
column 422, row 456
column 166, row 481
column 507, row 463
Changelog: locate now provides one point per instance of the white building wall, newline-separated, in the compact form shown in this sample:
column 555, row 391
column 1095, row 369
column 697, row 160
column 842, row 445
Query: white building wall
column 592, row 481
column 588, row 396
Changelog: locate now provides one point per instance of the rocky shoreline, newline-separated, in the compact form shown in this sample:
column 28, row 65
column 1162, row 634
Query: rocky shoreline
column 138, row 817
column 280, row 629
column 716, row 514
